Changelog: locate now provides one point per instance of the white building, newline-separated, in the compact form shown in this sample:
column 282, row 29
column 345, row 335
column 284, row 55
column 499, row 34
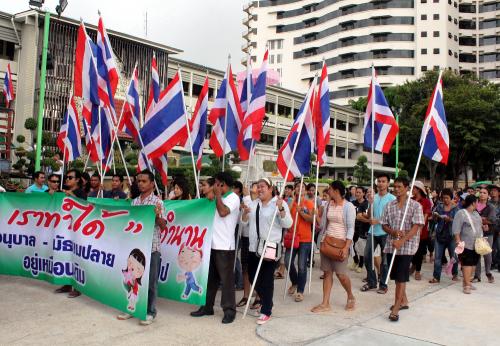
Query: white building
column 402, row 38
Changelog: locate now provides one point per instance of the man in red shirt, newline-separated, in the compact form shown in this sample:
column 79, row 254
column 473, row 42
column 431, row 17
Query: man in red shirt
column 420, row 195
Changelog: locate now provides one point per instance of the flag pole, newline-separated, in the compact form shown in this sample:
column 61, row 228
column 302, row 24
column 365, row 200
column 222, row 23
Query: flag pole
column 189, row 136
column 372, row 179
column 99, row 195
column 225, row 114
column 408, row 198
column 64, row 154
column 313, row 227
column 301, row 124
column 293, row 236
column 249, row 95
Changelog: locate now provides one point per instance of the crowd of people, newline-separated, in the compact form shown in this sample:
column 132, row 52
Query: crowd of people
column 369, row 227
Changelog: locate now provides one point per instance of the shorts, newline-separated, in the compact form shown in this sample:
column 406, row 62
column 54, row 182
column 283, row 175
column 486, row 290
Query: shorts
column 469, row 258
column 245, row 243
column 401, row 268
column 329, row 265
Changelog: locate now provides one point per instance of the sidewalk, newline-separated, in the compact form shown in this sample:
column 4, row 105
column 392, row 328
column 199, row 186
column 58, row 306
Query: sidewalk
column 30, row 314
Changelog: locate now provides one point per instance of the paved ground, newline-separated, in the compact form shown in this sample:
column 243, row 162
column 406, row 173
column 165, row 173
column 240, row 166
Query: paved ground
column 30, row 314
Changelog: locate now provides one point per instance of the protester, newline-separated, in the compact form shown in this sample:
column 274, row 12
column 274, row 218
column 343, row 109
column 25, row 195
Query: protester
column 495, row 201
column 420, row 195
column 38, row 185
column 351, row 196
column 288, row 194
column 181, row 190
column 238, row 272
column 86, row 182
column 207, row 188
column 360, row 229
column 146, row 184
column 444, row 213
column 95, row 185
column 223, row 246
column 404, row 240
column 378, row 203
column 116, row 191
column 245, row 244
column 303, row 208
column 54, row 183
column 466, row 227
column 259, row 215
column 73, row 184
column 488, row 216
column 59, row 164
column 341, row 216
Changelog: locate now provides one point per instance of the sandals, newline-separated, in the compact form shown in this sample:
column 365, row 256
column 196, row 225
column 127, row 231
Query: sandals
column 467, row 290
column 418, row 276
column 292, row 289
column 491, row 279
column 382, row 290
column 402, row 307
column 367, row 288
column 299, row 297
column 321, row 308
column 242, row 302
column 351, row 303
column 393, row 317
column 434, row 281
column 256, row 304
column 476, row 279
column 455, row 278
column 278, row 276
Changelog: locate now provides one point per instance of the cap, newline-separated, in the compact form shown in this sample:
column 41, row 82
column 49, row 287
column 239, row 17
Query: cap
column 419, row 185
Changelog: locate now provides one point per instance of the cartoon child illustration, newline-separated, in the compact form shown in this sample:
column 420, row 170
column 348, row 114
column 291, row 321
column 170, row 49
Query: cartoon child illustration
column 132, row 275
column 189, row 259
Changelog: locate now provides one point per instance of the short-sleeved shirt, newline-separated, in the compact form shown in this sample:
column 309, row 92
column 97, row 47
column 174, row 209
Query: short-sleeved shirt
column 393, row 216
column 304, row 228
column 35, row 188
column 361, row 228
column 152, row 199
column 462, row 226
column 379, row 204
column 223, row 227
column 427, row 210
column 118, row 193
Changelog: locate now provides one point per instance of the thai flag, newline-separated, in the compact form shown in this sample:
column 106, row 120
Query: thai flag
column 160, row 165
column 102, row 130
column 131, row 113
column 299, row 163
column 225, row 111
column 167, row 124
column 254, row 116
column 8, row 87
column 154, row 89
column 322, row 116
column 385, row 126
column 247, row 89
column 198, row 125
column 69, row 140
column 85, row 71
column 435, row 130
column 90, row 111
column 106, row 54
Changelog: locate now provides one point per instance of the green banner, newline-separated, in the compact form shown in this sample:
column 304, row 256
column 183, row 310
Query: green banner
column 68, row 241
column 103, row 248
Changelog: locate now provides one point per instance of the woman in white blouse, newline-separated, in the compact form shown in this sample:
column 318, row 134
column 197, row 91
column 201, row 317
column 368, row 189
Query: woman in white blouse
column 266, row 206
column 341, row 215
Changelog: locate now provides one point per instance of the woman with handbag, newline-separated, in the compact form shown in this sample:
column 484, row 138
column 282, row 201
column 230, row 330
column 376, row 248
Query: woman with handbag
column 258, row 215
column 467, row 231
column 335, row 245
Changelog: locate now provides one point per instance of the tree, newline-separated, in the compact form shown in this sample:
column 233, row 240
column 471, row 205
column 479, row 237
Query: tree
column 361, row 170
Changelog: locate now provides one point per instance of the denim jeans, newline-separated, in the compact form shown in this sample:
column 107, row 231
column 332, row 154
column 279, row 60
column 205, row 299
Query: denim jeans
column 438, row 258
column 299, row 278
column 372, row 277
column 154, row 272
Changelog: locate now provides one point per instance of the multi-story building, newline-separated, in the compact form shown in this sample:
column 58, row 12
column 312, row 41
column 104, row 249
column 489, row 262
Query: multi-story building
column 401, row 38
column 346, row 138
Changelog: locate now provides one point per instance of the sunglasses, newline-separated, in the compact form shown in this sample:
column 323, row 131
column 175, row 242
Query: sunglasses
column 70, row 177
column 55, row 181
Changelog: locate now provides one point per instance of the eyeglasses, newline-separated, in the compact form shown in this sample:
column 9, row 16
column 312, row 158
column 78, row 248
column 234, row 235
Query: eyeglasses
column 55, row 181
column 70, row 177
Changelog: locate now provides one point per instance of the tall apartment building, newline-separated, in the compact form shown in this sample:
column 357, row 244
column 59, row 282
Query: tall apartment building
column 401, row 38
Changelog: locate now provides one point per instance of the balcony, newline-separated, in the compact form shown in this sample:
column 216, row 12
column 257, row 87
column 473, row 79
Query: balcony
column 248, row 7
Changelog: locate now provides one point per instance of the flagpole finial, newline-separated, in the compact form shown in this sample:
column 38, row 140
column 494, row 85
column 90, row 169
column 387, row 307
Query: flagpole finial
column 207, row 72
column 99, row 12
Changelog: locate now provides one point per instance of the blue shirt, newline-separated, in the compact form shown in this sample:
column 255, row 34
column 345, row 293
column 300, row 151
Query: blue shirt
column 35, row 188
column 378, row 209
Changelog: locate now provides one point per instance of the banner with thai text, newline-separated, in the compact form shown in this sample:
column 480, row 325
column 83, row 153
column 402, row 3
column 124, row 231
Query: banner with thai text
column 102, row 251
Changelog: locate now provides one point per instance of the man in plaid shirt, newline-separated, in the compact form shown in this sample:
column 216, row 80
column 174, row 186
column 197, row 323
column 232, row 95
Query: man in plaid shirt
column 404, row 239
column 146, row 184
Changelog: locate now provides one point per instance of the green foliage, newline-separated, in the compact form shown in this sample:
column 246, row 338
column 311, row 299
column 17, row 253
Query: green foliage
column 131, row 156
column 48, row 139
column 359, row 104
column 48, row 153
column 30, row 124
column 134, row 146
column 77, row 164
column 361, row 170
column 403, row 173
column 20, row 139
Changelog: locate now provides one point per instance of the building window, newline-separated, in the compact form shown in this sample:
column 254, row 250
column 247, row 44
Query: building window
column 450, row 53
column 279, row 58
column 275, row 44
column 423, row 34
column 435, row 16
column 436, row 1
column 436, row 67
column 423, row 51
column 423, row 68
column 7, row 50
column 435, row 51
column 450, row 35
column 435, row 34
column 455, row 38
column 271, row 59
column 423, row 1
column 423, row 17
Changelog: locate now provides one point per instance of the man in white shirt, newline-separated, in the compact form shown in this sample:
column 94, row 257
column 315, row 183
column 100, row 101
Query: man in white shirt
column 223, row 250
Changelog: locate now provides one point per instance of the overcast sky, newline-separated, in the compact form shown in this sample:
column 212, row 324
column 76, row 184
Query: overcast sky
column 206, row 30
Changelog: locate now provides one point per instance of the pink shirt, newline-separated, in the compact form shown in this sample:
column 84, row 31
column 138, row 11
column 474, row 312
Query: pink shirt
column 336, row 227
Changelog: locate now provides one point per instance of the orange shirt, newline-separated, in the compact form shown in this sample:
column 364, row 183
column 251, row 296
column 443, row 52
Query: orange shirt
column 304, row 228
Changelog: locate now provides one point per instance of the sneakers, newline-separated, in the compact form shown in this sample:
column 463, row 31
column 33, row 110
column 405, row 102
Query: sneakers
column 124, row 316
column 358, row 270
column 149, row 319
column 263, row 319
column 353, row 266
